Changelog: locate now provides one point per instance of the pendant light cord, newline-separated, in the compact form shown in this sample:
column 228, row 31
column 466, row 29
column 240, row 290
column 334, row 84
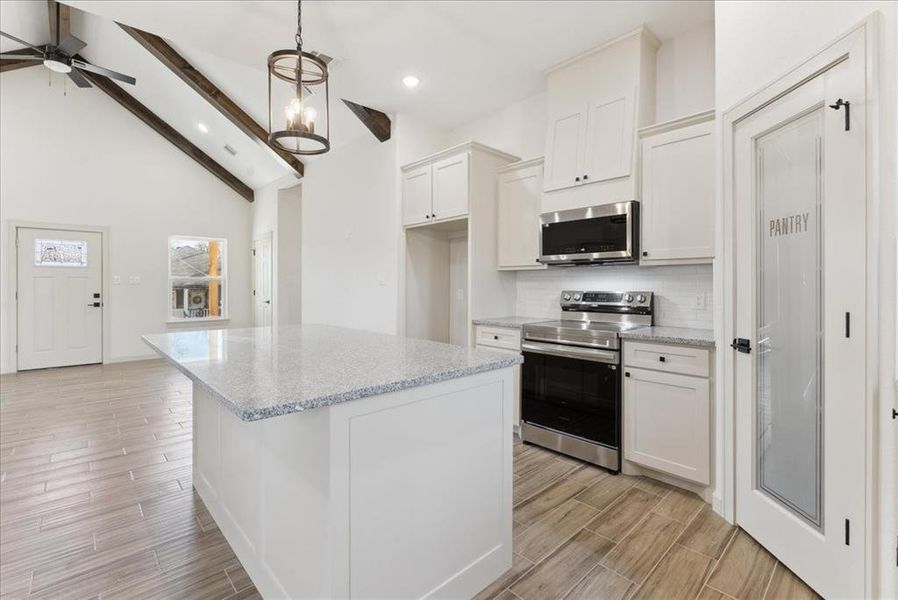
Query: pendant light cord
column 299, row 25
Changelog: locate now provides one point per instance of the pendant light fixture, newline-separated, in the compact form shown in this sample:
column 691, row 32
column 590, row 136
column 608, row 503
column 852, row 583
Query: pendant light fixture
column 298, row 119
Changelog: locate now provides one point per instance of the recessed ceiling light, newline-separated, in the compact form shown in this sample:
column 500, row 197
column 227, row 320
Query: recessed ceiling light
column 202, row 127
column 410, row 81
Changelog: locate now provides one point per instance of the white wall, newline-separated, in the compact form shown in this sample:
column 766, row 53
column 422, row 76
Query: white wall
column 518, row 129
column 80, row 159
column 756, row 42
column 350, row 230
column 677, row 290
column 684, row 82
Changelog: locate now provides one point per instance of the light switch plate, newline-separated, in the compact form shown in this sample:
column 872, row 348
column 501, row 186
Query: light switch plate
column 699, row 302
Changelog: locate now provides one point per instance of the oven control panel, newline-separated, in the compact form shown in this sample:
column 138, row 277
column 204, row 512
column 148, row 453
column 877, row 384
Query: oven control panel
column 592, row 300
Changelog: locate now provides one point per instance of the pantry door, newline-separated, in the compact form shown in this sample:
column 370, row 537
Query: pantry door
column 799, row 198
column 59, row 308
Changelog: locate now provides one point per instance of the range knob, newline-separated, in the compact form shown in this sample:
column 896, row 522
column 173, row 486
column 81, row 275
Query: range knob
column 640, row 298
column 566, row 296
column 629, row 297
column 576, row 297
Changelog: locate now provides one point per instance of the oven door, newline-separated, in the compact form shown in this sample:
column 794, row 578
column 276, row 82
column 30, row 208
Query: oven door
column 607, row 233
column 572, row 390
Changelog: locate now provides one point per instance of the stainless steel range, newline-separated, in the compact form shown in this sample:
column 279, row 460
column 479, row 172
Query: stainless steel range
column 571, row 386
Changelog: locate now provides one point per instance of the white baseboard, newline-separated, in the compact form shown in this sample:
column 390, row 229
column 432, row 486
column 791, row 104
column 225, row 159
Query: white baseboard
column 132, row 358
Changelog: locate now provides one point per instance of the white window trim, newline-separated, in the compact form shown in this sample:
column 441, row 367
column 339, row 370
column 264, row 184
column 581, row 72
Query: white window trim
column 223, row 278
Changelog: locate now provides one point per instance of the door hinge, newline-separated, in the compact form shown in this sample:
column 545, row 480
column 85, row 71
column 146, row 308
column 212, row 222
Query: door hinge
column 254, row 292
column 742, row 345
column 847, row 532
column 848, row 324
column 839, row 104
column 254, row 251
column 894, row 414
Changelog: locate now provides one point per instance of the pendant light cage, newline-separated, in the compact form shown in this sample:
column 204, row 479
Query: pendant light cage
column 298, row 99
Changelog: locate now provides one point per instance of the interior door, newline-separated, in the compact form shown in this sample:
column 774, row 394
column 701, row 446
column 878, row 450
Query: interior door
column 450, row 187
column 799, row 197
column 59, row 303
column 262, row 281
column 565, row 147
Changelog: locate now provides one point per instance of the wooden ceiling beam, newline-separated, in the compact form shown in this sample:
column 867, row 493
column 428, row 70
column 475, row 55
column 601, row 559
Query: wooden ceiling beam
column 377, row 122
column 168, row 132
column 13, row 65
column 60, row 21
column 201, row 84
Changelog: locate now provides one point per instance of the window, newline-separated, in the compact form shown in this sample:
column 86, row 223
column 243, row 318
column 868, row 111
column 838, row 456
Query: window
column 197, row 277
column 60, row 253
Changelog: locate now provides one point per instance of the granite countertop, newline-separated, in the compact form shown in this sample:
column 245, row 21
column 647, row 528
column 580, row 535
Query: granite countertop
column 510, row 322
column 671, row 335
column 264, row 372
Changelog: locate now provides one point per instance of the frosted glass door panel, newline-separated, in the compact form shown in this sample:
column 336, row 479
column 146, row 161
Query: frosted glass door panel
column 789, row 411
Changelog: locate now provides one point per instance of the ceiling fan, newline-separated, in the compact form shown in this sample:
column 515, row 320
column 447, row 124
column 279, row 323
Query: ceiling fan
column 63, row 58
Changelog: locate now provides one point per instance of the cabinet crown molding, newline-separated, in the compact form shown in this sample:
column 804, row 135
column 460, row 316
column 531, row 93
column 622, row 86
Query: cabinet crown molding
column 639, row 31
column 470, row 145
column 521, row 164
column 665, row 126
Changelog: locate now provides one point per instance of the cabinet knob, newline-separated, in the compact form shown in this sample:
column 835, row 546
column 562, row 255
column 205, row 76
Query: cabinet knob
column 495, row 337
column 585, row 177
column 426, row 216
column 645, row 253
column 434, row 215
column 576, row 179
column 627, row 374
column 662, row 359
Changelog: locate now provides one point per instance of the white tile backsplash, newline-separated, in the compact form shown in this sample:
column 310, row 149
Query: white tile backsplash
column 677, row 290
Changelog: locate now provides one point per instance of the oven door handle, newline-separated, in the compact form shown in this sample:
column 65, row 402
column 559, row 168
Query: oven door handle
column 590, row 354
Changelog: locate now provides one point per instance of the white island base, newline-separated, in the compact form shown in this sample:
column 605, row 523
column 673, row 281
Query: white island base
column 402, row 495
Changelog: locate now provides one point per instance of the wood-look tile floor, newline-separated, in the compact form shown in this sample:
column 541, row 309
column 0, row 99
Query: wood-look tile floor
column 96, row 502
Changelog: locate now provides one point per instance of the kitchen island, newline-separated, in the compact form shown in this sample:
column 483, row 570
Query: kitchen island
column 348, row 464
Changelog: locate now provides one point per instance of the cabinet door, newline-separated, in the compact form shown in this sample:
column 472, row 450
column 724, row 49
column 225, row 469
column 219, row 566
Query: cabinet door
column 565, row 141
column 450, row 187
column 667, row 423
column 416, row 195
column 609, row 139
column 678, row 194
column 518, row 218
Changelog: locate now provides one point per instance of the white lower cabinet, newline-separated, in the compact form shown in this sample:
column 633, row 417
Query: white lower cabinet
column 667, row 421
column 504, row 339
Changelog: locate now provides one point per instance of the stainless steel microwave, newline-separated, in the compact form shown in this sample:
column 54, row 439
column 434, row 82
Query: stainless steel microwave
column 608, row 233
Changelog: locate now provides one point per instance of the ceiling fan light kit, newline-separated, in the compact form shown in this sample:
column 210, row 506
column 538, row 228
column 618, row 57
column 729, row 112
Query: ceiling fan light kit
column 298, row 127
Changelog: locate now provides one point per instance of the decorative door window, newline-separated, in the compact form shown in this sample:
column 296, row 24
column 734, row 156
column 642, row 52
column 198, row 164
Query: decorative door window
column 60, row 253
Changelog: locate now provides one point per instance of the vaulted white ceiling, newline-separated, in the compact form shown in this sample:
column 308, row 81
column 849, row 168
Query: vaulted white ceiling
column 472, row 57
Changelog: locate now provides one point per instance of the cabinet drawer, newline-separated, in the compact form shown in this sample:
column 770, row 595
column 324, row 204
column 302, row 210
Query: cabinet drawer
column 669, row 358
column 498, row 337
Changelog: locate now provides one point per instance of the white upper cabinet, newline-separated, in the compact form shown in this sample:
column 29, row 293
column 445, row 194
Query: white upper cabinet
column 519, row 190
column 566, row 147
column 450, row 187
column 444, row 186
column 677, row 199
column 609, row 140
column 417, row 192
column 596, row 102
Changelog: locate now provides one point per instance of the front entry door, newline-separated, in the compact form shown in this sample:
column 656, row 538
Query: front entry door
column 262, row 281
column 59, row 304
column 799, row 207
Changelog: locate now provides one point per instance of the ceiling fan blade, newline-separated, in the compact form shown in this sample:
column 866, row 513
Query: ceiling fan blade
column 101, row 71
column 5, row 56
column 71, row 46
column 23, row 42
column 79, row 79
